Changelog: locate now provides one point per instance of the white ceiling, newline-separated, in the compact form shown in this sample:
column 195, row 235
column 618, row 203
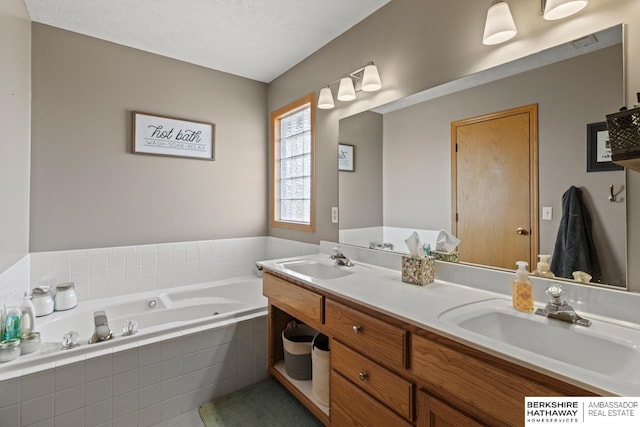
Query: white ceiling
column 257, row 39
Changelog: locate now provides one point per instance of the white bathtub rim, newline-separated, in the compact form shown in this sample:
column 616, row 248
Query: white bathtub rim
column 37, row 362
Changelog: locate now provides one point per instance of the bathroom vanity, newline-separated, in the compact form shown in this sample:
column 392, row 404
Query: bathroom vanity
column 398, row 354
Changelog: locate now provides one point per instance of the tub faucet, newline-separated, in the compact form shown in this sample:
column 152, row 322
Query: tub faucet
column 102, row 331
column 340, row 258
column 557, row 308
column 375, row 245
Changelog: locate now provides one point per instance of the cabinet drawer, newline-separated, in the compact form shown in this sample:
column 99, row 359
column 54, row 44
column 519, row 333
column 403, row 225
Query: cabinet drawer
column 376, row 339
column 351, row 406
column 297, row 301
column 384, row 385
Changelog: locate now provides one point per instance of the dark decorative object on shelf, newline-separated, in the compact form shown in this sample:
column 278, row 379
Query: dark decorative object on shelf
column 624, row 133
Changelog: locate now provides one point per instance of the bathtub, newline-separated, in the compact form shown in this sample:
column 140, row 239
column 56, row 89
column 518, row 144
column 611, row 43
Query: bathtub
column 160, row 315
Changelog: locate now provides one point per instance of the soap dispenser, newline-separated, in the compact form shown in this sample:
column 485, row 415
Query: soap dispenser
column 543, row 269
column 521, row 289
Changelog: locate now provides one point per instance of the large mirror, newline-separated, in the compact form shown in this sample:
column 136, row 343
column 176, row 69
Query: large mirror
column 402, row 177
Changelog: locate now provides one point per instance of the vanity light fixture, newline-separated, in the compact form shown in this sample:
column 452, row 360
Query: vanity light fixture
column 499, row 26
column 365, row 78
column 558, row 9
column 325, row 100
column 346, row 91
column 370, row 78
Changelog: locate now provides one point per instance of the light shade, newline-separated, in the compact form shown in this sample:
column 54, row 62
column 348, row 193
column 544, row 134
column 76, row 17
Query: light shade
column 325, row 100
column 499, row 26
column 346, row 91
column 371, row 78
column 558, row 9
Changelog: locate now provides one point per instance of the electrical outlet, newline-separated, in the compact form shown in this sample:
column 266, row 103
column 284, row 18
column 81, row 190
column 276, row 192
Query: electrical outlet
column 547, row 213
column 334, row 215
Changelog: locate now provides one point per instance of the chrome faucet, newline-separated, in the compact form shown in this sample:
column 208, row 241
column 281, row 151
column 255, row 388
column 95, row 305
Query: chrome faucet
column 375, row 245
column 557, row 308
column 340, row 258
column 102, row 331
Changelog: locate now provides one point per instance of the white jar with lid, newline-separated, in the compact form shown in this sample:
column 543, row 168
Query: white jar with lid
column 66, row 297
column 9, row 350
column 42, row 301
column 30, row 342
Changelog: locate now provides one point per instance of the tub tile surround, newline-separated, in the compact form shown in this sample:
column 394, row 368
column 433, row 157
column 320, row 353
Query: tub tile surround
column 14, row 281
column 142, row 385
column 106, row 272
column 385, row 234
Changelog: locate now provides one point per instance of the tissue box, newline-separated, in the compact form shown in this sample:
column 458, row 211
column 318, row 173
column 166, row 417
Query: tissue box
column 446, row 256
column 418, row 271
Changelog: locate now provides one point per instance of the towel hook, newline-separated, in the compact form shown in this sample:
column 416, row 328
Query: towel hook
column 612, row 197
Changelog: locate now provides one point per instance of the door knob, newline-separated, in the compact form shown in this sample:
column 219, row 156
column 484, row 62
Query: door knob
column 521, row 231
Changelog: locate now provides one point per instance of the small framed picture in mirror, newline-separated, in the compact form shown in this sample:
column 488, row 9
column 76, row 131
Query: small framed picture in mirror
column 346, row 159
column 599, row 149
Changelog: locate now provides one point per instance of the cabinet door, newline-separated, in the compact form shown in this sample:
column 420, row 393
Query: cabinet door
column 490, row 389
column 435, row 413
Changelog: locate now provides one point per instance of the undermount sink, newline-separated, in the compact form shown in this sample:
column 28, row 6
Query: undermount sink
column 316, row 270
column 603, row 348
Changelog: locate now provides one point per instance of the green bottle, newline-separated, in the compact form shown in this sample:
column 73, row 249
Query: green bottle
column 12, row 323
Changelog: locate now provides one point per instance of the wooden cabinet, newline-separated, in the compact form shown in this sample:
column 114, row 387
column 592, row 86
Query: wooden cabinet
column 491, row 389
column 435, row 413
column 361, row 346
column 289, row 301
column 378, row 362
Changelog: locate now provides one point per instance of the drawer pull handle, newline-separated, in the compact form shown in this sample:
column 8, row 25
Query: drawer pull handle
column 363, row 376
column 356, row 329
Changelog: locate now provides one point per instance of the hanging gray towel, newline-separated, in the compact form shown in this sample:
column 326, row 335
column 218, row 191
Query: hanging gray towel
column 575, row 250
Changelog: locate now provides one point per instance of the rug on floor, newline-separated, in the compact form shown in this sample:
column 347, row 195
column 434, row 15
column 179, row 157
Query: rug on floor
column 266, row 403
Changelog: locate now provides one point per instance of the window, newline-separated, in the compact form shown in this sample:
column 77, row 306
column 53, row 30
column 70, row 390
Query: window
column 292, row 151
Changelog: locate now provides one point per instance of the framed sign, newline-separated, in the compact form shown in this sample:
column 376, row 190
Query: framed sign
column 599, row 149
column 168, row 136
column 346, row 154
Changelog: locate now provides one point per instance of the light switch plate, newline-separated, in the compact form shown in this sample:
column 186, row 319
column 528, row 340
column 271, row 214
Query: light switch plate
column 547, row 213
column 334, row 215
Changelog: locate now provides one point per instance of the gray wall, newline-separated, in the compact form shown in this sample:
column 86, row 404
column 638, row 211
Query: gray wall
column 15, row 113
column 88, row 190
column 418, row 45
column 417, row 148
column 361, row 191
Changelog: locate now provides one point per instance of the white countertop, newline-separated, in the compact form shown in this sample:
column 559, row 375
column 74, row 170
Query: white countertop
column 382, row 289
